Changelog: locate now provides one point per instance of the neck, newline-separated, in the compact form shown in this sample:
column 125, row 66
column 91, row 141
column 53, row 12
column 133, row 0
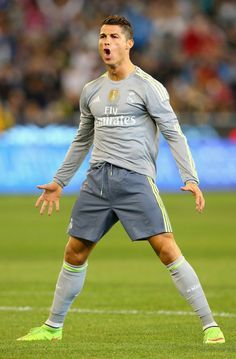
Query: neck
column 117, row 73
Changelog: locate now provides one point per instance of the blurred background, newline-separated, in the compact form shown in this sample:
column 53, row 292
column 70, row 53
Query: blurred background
column 48, row 51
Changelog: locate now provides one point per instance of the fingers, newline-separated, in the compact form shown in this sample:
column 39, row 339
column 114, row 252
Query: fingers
column 199, row 199
column 57, row 205
column 200, row 202
column 50, row 208
column 42, row 186
column 38, row 202
column 45, row 204
column 43, row 207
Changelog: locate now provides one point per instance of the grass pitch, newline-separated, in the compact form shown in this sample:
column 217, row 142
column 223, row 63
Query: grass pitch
column 129, row 308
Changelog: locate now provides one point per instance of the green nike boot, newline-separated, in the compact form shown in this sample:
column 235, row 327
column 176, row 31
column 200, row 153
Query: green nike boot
column 213, row 335
column 43, row 333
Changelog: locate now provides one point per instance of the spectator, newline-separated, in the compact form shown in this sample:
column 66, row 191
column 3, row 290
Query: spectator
column 48, row 51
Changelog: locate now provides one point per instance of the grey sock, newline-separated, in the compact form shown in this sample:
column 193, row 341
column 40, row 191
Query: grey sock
column 69, row 285
column 187, row 282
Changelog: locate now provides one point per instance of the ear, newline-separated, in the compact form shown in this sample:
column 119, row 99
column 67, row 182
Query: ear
column 129, row 44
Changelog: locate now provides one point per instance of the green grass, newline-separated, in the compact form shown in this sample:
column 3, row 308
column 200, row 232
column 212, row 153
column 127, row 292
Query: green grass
column 122, row 276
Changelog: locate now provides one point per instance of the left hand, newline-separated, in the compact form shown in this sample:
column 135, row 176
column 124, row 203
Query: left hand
column 200, row 201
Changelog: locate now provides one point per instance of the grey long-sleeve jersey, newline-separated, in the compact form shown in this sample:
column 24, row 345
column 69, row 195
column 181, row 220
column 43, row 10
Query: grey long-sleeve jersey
column 122, row 119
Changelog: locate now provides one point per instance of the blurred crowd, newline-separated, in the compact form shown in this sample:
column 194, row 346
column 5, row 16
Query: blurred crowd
column 48, row 51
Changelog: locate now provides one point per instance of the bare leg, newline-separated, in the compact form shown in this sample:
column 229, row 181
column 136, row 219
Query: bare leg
column 165, row 247
column 78, row 250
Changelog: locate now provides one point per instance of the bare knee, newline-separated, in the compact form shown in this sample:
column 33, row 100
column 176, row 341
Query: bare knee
column 77, row 251
column 73, row 257
column 165, row 247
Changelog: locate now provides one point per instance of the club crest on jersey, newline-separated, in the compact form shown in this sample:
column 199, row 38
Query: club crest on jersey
column 131, row 97
column 114, row 95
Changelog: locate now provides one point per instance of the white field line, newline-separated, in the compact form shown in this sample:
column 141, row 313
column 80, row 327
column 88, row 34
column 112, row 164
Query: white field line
column 23, row 294
column 117, row 311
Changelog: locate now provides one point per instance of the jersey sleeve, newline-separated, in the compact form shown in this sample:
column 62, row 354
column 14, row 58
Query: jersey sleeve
column 79, row 146
column 160, row 110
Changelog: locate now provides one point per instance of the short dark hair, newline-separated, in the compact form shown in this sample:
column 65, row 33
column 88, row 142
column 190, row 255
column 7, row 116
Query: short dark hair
column 122, row 22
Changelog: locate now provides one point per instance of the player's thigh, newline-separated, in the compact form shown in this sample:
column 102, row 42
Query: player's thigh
column 140, row 208
column 92, row 215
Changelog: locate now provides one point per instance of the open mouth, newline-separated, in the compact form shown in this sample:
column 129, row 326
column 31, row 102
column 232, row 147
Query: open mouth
column 107, row 51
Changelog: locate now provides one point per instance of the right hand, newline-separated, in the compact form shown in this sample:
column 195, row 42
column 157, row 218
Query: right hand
column 49, row 197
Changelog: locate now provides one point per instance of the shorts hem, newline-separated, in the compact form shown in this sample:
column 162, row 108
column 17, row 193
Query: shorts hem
column 83, row 237
column 145, row 237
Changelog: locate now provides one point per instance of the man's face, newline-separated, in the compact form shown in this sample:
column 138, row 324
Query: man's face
column 113, row 45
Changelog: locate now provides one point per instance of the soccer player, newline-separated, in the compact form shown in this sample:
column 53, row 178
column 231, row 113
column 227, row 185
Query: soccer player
column 122, row 113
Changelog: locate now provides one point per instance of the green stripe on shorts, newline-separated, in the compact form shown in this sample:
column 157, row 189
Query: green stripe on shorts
column 160, row 204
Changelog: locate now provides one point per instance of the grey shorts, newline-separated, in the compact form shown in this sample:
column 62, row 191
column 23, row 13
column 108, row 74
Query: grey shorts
column 111, row 193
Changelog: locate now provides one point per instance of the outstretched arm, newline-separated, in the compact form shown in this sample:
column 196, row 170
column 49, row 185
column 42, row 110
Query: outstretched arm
column 80, row 145
column 181, row 152
column 161, row 111
column 49, row 198
column 74, row 157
